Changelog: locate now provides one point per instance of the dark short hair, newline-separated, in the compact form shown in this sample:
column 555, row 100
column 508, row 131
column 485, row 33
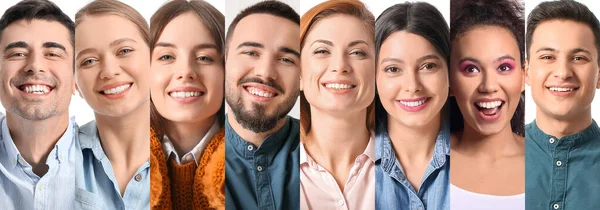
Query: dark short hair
column 418, row 18
column 562, row 10
column 40, row 10
column 274, row 8
column 468, row 14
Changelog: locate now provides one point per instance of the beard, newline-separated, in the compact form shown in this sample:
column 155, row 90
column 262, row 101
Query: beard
column 256, row 119
column 35, row 109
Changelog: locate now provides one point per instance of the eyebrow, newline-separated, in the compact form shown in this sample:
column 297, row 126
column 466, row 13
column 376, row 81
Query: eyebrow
column 12, row 45
column 197, row 47
column 119, row 41
column 546, row 49
column 250, row 44
column 289, row 50
column 54, row 45
column 419, row 60
column 578, row 50
column 505, row 57
column 470, row 59
column 327, row 42
column 357, row 42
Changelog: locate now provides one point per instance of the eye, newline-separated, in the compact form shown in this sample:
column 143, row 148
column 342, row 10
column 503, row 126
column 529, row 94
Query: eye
column 88, row 62
column 392, row 69
column 428, row 66
column 17, row 54
column 546, row 57
column 166, row 58
column 321, row 51
column 287, row 60
column 205, row 59
column 53, row 54
column 124, row 51
column 471, row 69
column 359, row 53
column 505, row 68
column 250, row 53
column 579, row 58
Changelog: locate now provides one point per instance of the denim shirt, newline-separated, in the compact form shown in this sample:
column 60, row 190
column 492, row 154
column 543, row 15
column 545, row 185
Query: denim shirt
column 562, row 173
column 96, row 183
column 20, row 188
column 392, row 189
column 264, row 177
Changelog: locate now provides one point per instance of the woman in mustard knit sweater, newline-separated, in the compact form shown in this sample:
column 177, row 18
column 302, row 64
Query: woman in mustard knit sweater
column 187, row 78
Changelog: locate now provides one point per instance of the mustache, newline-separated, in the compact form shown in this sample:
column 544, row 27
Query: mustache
column 270, row 82
column 38, row 77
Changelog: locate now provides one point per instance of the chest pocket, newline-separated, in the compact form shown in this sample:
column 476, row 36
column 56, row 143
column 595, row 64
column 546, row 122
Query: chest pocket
column 85, row 200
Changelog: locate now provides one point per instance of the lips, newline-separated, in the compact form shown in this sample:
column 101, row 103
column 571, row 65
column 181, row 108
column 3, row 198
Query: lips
column 489, row 109
column 413, row 104
column 37, row 89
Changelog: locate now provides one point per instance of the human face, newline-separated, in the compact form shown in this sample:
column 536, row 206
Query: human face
column 36, row 69
column 263, row 71
column 187, row 71
column 338, row 65
column 412, row 79
column 486, row 78
column 563, row 69
column 112, row 62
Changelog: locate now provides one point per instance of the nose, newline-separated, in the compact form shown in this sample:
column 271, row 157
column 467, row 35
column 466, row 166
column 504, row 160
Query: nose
column 411, row 82
column 186, row 69
column 36, row 63
column 109, row 68
column 266, row 67
column 563, row 70
column 339, row 63
column 489, row 82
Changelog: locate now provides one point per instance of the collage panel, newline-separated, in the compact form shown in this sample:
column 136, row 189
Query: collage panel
column 187, row 112
column 412, row 126
column 487, row 108
column 563, row 104
column 262, row 80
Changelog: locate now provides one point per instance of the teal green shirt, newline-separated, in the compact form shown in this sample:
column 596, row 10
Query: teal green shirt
column 562, row 173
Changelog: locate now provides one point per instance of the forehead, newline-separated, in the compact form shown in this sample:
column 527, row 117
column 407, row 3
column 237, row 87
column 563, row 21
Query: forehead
column 36, row 32
column 492, row 41
column 102, row 29
column 267, row 30
column 406, row 44
column 563, row 34
column 340, row 28
column 186, row 24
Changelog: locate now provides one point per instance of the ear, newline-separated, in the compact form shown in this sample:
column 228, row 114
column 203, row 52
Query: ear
column 598, row 83
column 527, row 79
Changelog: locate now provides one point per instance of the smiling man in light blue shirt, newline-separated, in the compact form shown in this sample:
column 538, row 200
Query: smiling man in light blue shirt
column 37, row 141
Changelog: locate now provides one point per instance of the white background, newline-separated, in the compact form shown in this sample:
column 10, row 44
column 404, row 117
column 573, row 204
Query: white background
column 78, row 107
column 594, row 6
column 236, row 6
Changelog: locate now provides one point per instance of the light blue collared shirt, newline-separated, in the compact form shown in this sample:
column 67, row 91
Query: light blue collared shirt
column 20, row 188
column 96, row 183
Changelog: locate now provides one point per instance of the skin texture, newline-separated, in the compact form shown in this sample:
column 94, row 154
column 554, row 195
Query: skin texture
column 411, row 68
column 36, row 122
column 110, row 50
column 266, row 59
column 563, row 54
column 339, row 50
column 487, row 157
column 187, row 62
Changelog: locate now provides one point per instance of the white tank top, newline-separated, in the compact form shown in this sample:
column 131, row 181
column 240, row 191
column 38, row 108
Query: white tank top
column 464, row 200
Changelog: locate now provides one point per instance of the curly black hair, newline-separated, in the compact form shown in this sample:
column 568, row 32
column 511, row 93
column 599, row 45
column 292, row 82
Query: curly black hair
column 468, row 14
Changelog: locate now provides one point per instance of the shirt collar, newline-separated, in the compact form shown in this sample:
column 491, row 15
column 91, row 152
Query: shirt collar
column 197, row 151
column 271, row 145
column 89, row 139
column 369, row 152
column 589, row 133
column 59, row 153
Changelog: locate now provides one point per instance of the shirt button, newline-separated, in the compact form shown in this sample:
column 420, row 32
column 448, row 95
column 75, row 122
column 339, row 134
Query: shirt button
column 250, row 147
column 551, row 140
column 138, row 177
column 559, row 163
column 259, row 168
column 341, row 202
column 188, row 158
column 555, row 206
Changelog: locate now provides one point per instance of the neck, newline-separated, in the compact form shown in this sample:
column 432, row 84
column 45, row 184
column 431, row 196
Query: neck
column 250, row 136
column 503, row 143
column 563, row 127
column 414, row 144
column 123, row 137
column 35, row 139
column 328, row 132
column 185, row 136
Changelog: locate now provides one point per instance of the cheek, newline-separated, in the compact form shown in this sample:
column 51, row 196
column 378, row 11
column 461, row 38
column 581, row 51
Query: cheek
column 86, row 79
column 437, row 84
column 214, row 81
column 388, row 88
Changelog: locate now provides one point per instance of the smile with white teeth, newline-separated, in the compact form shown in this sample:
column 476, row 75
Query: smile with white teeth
column 116, row 90
column 185, row 94
column 561, row 89
column 36, row 89
column 260, row 92
column 489, row 104
column 413, row 103
column 338, row 86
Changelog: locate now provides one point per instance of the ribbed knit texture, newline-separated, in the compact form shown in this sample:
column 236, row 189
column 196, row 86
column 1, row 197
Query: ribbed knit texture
column 186, row 186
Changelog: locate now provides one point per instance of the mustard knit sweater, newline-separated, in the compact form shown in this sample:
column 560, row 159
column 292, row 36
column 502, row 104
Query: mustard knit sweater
column 186, row 186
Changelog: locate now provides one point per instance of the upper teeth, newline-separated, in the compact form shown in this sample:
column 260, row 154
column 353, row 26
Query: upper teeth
column 338, row 86
column 37, row 89
column 560, row 89
column 117, row 90
column 413, row 103
column 490, row 104
column 184, row 94
column 259, row 92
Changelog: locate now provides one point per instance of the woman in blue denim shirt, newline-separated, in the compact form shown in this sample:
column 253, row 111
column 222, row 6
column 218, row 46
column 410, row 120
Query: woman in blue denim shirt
column 486, row 112
column 412, row 136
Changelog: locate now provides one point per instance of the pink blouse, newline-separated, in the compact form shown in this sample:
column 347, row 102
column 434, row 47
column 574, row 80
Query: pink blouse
column 319, row 190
